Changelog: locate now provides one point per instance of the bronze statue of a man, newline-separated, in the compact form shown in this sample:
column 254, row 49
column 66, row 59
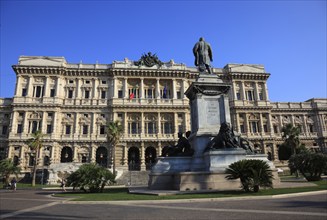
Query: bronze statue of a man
column 203, row 55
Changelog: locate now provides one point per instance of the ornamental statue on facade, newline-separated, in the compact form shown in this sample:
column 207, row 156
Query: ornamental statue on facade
column 149, row 60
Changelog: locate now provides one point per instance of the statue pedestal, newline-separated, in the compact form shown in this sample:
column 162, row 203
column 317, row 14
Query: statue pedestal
column 219, row 160
column 204, row 170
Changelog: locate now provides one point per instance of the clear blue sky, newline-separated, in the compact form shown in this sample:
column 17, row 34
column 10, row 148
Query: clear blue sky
column 287, row 37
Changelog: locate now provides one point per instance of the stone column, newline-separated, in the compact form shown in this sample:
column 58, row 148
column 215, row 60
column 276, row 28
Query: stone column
column 126, row 95
column 75, row 155
column 256, row 92
column 93, row 126
column 58, row 93
column 96, row 90
column 305, row 128
column 159, row 149
column 46, row 88
column 44, row 122
column 125, row 124
column 93, row 153
column 174, row 89
column 243, row 91
column 266, row 97
column 237, row 117
column 246, row 124
column 142, row 88
column 78, row 91
column 261, row 124
column 270, row 125
column 175, row 123
column 55, row 130
column 125, row 155
column 157, row 89
column 142, row 125
column 76, row 125
column 159, row 125
column 30, row 86
column 183, row 90
column 18, row 89
column 143, row 167
column 25, row 125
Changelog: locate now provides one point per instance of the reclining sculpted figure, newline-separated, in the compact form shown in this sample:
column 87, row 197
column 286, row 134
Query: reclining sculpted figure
column 226, row 138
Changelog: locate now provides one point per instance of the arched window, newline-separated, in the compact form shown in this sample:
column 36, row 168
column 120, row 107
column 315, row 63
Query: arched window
column 66, row 155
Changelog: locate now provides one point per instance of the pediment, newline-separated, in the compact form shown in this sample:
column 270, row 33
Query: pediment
column 246, row 68
column 41, row 61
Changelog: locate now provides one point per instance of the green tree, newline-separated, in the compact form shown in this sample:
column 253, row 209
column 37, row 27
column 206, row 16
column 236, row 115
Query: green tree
column 290, row 134
column 35, row 143
column 252, row 174
column 90, row 177
column 114, row 133
column 311, row 165
column 7, row 168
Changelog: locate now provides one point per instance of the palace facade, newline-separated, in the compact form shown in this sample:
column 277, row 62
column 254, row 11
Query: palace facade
column 72, row 103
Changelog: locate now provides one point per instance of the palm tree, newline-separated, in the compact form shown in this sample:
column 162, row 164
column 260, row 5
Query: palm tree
column 7, row 168
column 35, row 143
column 114, row 133
column 252, row 173
column 290, row 134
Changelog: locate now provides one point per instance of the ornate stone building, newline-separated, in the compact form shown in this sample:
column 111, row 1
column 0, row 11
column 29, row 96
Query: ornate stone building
column 72, row 103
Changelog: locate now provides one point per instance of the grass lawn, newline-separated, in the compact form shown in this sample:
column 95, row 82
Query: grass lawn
column 121, row 194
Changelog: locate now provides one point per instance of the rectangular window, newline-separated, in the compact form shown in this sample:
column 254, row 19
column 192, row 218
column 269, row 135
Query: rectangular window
column 311, row 128
column 265, row 128
column 134, row 128
column 260, row 96
column 38, row 90
column 242, row 129
column 103, row 82
column 254, row 127
column 102, row 129
column 250, row 95
column 179, row 95
column 85, row 129
column 71, row 81
column 103, row 94
column 87, row 82
column 238, row 96
column 120, row 94
column 50, row 114
column 275, row 129
column 34, row 126
column 24, row 92
column 52, row 92
column 19, row 128
column 68, row 129
column 4, row 129
column 167, row 128
column 87, row 94
column 49, row 129
column 70, row 93
column 151, row 128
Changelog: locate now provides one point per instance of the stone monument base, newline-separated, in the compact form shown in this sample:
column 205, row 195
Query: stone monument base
column 192, row 181
column 173, row 173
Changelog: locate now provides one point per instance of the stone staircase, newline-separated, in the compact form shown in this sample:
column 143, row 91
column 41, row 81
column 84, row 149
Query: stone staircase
column 133, row 178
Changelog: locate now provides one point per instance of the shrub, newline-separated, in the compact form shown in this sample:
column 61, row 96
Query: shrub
column 311, row 165
column 252, row 173
column 90, row 177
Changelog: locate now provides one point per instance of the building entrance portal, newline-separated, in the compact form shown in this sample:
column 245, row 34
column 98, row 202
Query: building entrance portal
column 134, row 159
column 102, row 156
column 150, row 157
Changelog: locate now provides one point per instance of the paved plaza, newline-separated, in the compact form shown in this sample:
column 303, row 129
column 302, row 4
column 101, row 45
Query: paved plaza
column 39, row 204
